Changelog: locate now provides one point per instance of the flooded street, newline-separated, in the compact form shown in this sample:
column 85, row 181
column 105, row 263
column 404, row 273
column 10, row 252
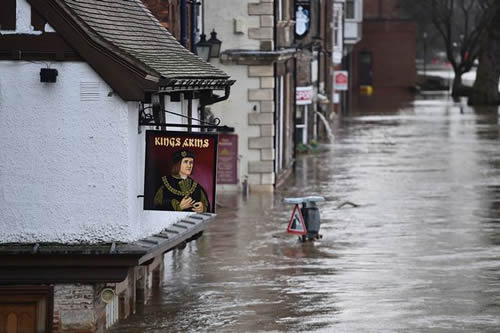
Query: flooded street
column 420, row 252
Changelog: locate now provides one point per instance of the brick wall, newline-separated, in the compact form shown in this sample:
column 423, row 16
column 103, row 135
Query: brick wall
column 304, row 59
column 393, row 48
column 380, row 9
column 76, row 309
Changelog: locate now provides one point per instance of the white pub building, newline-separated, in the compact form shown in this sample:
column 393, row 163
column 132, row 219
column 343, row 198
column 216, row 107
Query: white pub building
column 79, row 80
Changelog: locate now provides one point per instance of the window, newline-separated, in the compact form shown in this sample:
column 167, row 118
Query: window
column 8, row 15
column 338, row 34
column 337, row 26
column 350, row 9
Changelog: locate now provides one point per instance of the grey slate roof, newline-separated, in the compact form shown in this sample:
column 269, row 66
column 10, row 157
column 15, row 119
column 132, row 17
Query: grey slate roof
column 129, row 26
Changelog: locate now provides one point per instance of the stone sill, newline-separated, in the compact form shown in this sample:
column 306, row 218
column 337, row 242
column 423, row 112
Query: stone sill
column 255, row 57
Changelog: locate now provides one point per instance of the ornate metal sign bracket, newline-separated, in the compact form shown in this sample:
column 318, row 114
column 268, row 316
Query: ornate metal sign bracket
column 153, row 118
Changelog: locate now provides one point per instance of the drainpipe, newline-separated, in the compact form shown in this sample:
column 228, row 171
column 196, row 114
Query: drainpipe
column 211, row 100
column 193, row 25
column 215, row 99
column 183, row 23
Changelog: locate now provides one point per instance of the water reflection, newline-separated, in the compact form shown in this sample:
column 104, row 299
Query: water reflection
column 420, row 252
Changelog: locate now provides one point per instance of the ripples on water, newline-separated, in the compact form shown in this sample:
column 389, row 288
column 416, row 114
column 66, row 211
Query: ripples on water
column 420, row 253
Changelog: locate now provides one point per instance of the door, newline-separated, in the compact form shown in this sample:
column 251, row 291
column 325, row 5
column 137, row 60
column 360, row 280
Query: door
column 365, row 68
column 26, row 309
column 18, row 318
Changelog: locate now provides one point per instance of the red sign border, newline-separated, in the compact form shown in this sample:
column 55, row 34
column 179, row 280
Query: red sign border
column 301, row 220
column 214, row 136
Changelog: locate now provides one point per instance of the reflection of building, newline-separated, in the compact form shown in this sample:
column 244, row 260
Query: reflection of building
column 385, row 57
column 80, row 79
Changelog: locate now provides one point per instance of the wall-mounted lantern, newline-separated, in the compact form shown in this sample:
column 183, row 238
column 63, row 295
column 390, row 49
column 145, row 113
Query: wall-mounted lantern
column 215, row 43
column 203, row 48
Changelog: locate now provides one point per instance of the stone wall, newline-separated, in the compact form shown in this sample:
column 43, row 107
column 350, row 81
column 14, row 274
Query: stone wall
column 261, row 172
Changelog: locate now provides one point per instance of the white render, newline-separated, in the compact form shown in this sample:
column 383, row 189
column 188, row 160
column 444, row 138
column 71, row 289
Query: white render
column 220, row 15
column 234, row 113
column 353, row 26
column 71, row 159
column 23, row 20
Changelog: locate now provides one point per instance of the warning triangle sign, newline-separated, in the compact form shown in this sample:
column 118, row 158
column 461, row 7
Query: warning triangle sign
column 296, row 224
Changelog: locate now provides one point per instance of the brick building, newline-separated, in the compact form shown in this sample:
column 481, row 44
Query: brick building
column 385, row 57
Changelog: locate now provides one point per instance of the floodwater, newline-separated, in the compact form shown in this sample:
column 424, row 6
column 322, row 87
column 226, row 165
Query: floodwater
column 419, row 253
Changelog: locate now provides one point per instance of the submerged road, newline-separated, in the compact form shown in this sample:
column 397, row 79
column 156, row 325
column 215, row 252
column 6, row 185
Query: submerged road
column 421, row 252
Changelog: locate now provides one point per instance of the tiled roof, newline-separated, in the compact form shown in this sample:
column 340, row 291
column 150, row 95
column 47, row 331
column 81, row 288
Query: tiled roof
column 129, row 26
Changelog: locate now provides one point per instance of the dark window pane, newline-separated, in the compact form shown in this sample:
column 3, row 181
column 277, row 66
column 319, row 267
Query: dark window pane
column 8, row 15
column 349, row 9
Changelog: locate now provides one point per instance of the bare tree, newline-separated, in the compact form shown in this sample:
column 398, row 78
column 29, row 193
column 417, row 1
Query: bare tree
column 485, row 90
column 460, row 23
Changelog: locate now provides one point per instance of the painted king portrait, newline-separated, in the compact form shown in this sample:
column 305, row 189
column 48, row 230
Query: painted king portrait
column 180, row 171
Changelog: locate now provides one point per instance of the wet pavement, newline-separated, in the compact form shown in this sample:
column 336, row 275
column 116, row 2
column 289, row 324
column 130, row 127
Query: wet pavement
column 421, row 252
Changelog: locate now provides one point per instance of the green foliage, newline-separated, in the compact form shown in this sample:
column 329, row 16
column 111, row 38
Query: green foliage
column 312, row 147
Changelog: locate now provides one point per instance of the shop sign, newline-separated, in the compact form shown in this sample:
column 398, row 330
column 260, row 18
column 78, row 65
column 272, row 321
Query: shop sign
column 180, row 171
column 340, row 80
column 304, row 95
column 336, row 98
column 302, row 17
column 227, row 159
column 337, row 56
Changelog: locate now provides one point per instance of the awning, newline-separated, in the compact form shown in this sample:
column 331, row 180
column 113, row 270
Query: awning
column 91, row 263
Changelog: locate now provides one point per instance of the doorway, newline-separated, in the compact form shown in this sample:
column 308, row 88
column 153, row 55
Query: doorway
column 365, row 68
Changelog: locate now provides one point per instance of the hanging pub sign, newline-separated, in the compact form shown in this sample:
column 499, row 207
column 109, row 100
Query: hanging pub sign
column 180, row 171
column 302, row 17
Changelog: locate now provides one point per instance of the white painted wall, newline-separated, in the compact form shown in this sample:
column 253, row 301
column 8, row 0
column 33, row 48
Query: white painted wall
column 181, row 108
column 23, row 20
column 234, row 113
column 220, row 15
column 71, row 165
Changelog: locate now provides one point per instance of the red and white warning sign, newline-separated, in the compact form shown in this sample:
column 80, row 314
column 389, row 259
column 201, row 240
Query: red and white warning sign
column 340, row 80
column 296, row 224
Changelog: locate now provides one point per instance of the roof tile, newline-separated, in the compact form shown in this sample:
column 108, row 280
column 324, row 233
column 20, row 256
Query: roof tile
column 130, row 26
